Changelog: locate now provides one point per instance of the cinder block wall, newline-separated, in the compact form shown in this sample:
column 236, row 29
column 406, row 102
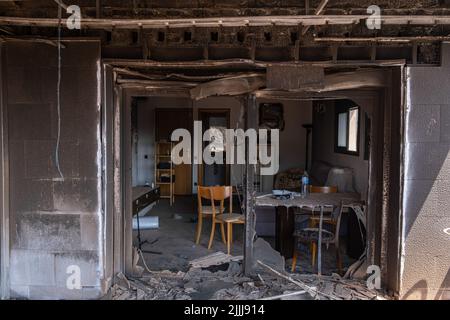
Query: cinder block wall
column 54, row 222
column 425, row 271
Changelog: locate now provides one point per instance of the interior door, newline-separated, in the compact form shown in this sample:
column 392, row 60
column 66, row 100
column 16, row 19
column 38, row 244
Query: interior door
column 215, row 174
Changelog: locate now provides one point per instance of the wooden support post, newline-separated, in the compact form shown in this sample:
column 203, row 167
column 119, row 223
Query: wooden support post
column 249, row 192
column 98, row 8
column 414, row 49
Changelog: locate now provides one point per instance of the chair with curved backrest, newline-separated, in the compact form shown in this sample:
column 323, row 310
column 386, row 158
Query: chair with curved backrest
column 220, row 194
column 206, row 211
column 314, row 220
column 311, row 235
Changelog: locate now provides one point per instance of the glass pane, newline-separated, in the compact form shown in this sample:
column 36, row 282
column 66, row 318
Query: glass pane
column 353, row 130
column 342, row 130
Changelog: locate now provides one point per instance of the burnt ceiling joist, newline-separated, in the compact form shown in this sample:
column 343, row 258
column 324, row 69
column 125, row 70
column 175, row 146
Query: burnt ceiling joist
column 227, row 22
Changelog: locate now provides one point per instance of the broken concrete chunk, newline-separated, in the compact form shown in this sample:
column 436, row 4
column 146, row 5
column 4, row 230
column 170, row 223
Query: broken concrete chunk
column 264, row 252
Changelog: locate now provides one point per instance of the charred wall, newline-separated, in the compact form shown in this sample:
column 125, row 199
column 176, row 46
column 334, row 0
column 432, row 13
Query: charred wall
column 55, row 222
column 425, row 272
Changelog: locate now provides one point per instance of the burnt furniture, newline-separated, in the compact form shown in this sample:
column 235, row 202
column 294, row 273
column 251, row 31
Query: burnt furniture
column 314, row 202
column 143, row 197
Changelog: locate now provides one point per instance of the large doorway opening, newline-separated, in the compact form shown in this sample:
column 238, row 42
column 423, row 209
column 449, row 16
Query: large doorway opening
column 313, row 133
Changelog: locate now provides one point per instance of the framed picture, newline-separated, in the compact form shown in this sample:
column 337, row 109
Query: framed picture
column 271, row 116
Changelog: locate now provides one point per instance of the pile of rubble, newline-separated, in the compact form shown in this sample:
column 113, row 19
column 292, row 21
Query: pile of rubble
column 219, row 277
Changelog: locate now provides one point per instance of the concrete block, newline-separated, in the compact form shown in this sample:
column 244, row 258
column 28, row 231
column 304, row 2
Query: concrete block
column 31, row 195
column 88, row 263
column 24, row 85
column 426, row 85
column 426, row 235
column 427, row 160
column 445, row 123
column 32, row 267
column 18, row 54
column 40, row 158
column 81, row 54
column 425, row 198
column 94, row 293
column 30, row 121
column 88, row 162
column 89, row 231
column 54, row 293
column 19, row 292
column 76, row 195
column 423, row 123
column 47, row 231
column 423, row 276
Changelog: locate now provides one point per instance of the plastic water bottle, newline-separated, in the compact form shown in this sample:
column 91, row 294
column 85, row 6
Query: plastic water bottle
column 305, row 184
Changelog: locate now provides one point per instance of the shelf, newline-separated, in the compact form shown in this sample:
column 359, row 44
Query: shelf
column 164, row 154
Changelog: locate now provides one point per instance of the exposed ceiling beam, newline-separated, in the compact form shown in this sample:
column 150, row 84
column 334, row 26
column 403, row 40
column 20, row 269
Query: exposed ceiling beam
column 240, row 64
column 256, row 21
column 384, row 39
column 231, row 86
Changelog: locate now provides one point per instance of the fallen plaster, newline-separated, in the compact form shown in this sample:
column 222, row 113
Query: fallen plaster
column 219, row 276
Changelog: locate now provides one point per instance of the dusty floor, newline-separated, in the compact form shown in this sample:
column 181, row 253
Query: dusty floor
column 175, row 237
column 175, row 241
column 172, row 275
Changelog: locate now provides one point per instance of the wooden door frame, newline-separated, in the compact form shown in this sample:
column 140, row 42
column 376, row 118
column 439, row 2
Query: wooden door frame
column 4, row 193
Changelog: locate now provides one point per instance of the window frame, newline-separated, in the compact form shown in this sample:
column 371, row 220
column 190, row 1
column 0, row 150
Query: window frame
column 344, row 106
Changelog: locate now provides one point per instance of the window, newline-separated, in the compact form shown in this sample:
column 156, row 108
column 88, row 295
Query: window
column 347, row 127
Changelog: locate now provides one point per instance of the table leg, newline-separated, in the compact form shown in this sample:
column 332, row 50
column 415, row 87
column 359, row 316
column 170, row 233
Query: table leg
column 319, row 244
column 284, row 240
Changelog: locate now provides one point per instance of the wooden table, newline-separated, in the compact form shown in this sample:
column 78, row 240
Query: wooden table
column 285, row 223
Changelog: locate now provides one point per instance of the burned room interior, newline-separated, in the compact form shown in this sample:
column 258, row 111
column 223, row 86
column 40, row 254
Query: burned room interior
column 332, row 132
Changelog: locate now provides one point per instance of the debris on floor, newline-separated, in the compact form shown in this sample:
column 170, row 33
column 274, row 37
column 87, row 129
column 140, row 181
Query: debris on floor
column 216, row 258
column 219, row 277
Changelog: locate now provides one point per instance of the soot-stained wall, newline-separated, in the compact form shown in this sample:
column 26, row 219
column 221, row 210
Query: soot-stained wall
column 54, row 222
column 425, row 265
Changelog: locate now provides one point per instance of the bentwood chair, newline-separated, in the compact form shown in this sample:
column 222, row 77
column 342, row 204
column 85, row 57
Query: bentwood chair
column 230, row 218
column 327, row 219
column 208, row 211
column 311, row 235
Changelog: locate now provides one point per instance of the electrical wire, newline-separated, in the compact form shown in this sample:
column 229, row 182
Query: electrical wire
column 58, row 98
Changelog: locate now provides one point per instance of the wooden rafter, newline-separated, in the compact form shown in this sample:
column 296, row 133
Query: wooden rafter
column 318, row 12
column 257, row 21
column 384, row 39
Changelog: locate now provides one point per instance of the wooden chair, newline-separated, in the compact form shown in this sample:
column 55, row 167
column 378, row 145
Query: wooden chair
column 309, row 235
column 314, row 220
column 230, row 218
column 324, row 189
column 205, row 211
